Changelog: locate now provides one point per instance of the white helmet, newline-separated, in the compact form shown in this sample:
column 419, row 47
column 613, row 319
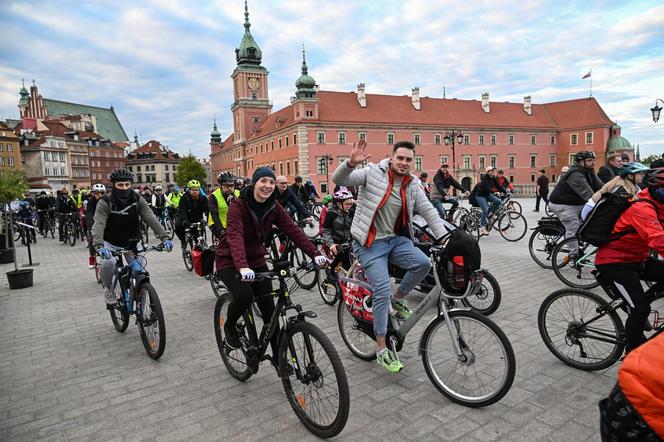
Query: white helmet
column 158, row 188
column 99, row 187
column 342, row 194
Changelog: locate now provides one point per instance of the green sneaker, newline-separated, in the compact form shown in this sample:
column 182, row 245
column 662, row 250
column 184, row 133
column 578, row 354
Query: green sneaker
column 403, row 312
column 386, row 360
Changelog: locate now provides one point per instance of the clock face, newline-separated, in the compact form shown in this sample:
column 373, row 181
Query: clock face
column 253, row 83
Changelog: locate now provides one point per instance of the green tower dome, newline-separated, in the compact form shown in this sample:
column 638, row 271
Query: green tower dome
column 248, row 53
column 215, row 135
column 306, row 85
column 24, row 95
column 618, row 142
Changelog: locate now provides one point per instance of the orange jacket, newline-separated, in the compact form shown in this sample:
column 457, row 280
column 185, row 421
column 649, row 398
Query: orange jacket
column 641, row 379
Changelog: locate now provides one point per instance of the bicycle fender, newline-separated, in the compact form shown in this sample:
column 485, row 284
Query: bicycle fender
column 140, row 278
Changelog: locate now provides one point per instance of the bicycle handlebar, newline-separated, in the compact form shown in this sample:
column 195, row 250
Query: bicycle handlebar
column 157, row 248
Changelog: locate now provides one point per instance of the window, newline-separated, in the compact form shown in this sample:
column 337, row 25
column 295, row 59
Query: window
column 532, row 177
column 47, row 171
column 418, row 163
column 511, row 161
column 533, row 160
column 279, row 140
column 466, row 139
column 47, row 156
column 323, row 188
column 511, row 178
column 390, row 138
column 138, row 168
column 287, row 140
column 62, row 171
column 362, row 136
column 287, row 167
column 571, row 159
column 466, row 162
column 166, row 167
column 416, row 138
column 11, row 160
column 436, row 138
column 511, row 139
column 62, row 157
column 481, row 139
column 552, row 160
column 296, row 169
column 281, row 167
column 553, row 139
column 272, row 145
column 533, row 139
column 553, row 178
column 321, row 163
column 493, row 160
column 2, row 146
column 574, row 139
column 294, row 139
column 342, row 137
column 482, row 160
column 10, row 148
column 493, row 138
column 443, row 159
column 589, row 138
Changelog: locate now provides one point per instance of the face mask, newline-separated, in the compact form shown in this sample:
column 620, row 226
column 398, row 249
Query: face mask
column 122, row 193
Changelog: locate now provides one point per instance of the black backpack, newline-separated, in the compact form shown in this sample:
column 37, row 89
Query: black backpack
column 597, row 227
column 461, row 257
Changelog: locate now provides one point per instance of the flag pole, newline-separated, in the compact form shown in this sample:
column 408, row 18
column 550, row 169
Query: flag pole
column 591, row 85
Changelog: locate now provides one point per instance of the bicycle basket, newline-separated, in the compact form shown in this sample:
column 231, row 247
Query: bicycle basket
column 550, row 225
column 203, row 260
column 456, row 264
column 357, row 298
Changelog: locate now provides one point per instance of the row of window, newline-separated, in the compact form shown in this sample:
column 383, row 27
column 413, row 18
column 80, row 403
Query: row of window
column 7, row 161
column 106, row 154
column 439, row 139
column 106, row 164
column 48, row 171
column 150, row 168
column 53, row 156
column 149, row 178
column 10, row 147
column 284, row 167
column 270, row 146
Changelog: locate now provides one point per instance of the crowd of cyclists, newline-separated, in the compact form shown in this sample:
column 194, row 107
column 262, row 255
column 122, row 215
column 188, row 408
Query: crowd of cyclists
column 372, row 208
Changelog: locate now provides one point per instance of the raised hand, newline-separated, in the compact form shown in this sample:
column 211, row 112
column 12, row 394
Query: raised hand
column 358, row 154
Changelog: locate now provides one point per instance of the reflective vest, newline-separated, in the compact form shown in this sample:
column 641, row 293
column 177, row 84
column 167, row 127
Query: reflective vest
column 222, row 205
column 175, row 199
column 78, row 200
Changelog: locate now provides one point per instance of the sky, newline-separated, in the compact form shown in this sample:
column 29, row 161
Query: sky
column 165, row 65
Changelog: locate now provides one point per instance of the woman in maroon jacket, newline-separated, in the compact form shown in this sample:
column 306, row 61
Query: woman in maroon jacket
column 241, row 250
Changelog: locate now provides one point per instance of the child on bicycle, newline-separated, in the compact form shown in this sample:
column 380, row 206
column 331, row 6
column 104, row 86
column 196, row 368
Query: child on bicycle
column 241, row 250
column 626, row 261
column 117, row 222
column 336, row 230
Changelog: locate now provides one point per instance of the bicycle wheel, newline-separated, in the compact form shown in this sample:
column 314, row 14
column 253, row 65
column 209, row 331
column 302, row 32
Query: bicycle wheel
column 483, row 374
column 548, row 211
column 218, row 287
column 356, row 339
column 580, row 328
column 186, row 254
column 118, row 313
column 52, row 228
column 512, row 226
column 235, row 360
column 541, row 245
column 514, row 206
column 470, row 225
column 306, row 279
column 170, row 228
column 487, row 300
column 579, row 273
column 71, row 230
column 151, row 323
column 314, row 379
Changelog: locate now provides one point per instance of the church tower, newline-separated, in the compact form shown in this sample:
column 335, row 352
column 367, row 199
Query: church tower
column 305, row 103
column 251, row 104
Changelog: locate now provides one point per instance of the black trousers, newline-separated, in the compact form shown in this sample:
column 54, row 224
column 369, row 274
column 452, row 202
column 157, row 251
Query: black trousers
column 244, row 294
column 626, row 279
column 544, row 196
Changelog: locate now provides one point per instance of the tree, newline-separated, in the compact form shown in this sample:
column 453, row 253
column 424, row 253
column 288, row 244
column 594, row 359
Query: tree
column 649, row 159
column 190, row 169
column 13, row 185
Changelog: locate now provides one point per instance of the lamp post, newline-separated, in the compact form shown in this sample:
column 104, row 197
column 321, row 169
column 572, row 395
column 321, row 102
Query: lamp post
column 325, row 162
column 450, row 138
column 656, row 110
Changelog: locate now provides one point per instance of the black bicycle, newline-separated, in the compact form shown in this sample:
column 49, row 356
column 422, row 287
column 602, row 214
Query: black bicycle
column 70, row 228
column 310, row 368
column 136, row 296
column 544, row 239
column 282, row 248
column 193, row 235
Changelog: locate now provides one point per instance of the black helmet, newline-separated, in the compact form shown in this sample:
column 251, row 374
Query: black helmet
column 655, row 178
column 583, row 155
column 226, row 177
column 121, row 174
column 298, row 179
column 246, row 181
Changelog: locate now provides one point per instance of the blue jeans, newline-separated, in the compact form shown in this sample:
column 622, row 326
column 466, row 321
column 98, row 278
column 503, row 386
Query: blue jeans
column 438, row 204
column 399, row 251
column 483, row 202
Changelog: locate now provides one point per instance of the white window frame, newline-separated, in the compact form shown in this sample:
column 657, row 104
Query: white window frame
column 481, row 161
column 362, row 136
column 390, row 138
column 574, row 139
column 511, row 161
column 417, row 138
column 493, row 160
column 592, row 137
column 533, row 157
column 437, row 138
column 341, row 137
column 418, row 163
column 480, row 139
column 533, row 139
column 552, row 160
column 510, row 139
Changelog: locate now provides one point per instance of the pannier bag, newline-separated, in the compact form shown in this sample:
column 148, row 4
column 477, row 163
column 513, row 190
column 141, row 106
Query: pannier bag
column 357, row 297
column 461, row 257
column 202, row 260
column 550, row 226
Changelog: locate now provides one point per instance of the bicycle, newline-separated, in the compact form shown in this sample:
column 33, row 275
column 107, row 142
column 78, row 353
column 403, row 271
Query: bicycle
column 473, row 365
column 544, row 239
column 584, row 330
column 512, row 205
column 166, row 222
column 305, row 276
column 48, row 222
column 578, row 272
column 511, row 225
column 301, row 344
column 135, row 295
column 70, row 228
column 193, row 235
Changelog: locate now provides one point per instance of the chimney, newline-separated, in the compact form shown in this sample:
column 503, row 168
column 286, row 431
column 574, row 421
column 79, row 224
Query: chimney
column 415, row 98
column 361, row 95
column 485, row 102
column 527, row 106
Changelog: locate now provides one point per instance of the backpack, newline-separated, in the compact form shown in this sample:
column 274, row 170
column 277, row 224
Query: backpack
column 471, row 197
column 461, row 257
column 597, row 227
column 202, row 260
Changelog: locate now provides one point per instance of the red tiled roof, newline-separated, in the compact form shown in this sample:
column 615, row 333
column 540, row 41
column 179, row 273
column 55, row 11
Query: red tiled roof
column 582, row 112
column 285, row 117
column 155, row 147
column 55, row 128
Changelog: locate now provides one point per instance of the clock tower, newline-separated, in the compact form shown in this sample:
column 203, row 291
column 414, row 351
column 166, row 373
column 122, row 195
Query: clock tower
column 251, row 104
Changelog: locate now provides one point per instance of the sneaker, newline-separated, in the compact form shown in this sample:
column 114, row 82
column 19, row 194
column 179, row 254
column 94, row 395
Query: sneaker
column 109, row 297
column 91, row 262
column 403, row 312
column 387, row 360
column 484, row 232
column 232, row 337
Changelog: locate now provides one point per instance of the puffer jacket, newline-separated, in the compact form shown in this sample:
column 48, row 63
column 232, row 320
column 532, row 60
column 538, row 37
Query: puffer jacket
column 336, row 227
column 373, row 182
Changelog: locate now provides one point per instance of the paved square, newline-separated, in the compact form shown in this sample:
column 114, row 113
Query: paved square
column 66, row 374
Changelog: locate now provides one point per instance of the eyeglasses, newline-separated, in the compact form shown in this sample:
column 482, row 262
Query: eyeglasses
column 283, row 184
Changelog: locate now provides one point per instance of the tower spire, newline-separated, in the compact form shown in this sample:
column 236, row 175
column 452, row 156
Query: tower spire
column 305, row 69
column 247, row 25
column 248, row 53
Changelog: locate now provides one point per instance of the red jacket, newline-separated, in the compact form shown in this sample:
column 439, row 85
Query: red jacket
column 503, row 182
column 641, row 381
column 649, row 233
column 242, row 246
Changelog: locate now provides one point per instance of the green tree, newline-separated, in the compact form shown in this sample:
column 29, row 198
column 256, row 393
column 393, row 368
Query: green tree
column 190, row 169
column 13, row 185
column 649, row 159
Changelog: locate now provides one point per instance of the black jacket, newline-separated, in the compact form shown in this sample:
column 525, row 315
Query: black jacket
column 301, row 193
column 90, row 212
column 442, row 183
column 65, row 205
column 486, row 184
column 43, row 202
column 192, row 210
column 542, row 185
column 606, row 173
column 575, row 187
column 336, row 228
column 288, row 197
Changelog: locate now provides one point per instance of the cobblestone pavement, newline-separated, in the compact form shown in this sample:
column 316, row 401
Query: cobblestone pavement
column 66, row 374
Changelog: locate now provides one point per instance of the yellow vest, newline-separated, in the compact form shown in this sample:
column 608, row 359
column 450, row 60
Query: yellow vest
column 175, row 199
column 78, row 200
column 223, row 207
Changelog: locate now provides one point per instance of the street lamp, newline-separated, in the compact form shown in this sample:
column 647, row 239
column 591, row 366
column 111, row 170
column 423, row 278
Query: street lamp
column 656, row 110
column 326, row 161
column 451, row 137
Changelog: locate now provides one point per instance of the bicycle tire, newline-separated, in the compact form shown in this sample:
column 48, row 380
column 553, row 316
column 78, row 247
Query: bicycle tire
column 242, row 372
column 550, row 242
column 186, row 255
column 305, row 279
column 145, row 234
column 468, row 223
column 489, row 367
column 514, row 223
column 358, row 342
column 153, row 335
column 71, row 230
column 560, row 261
column 486, row 301
column 329, row 293
column 548, row 211
column 119, row 315
column 515, row 206
column 218, row 287
column 317, row 378
column 170, row 228
column 569, row 330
